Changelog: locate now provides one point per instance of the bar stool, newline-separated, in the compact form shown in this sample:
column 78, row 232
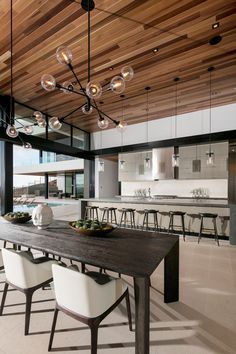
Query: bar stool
column 163, row 214
column 146, row 220
column 109, row 215
column 91, row 212
column 202, row 228
column 171, row 223
column 127, row 217
column 192, row 218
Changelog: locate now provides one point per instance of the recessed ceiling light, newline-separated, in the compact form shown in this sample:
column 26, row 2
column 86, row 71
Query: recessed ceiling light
column 111, row 68
column 216, row 25
column 215, row 40
column 155, row 50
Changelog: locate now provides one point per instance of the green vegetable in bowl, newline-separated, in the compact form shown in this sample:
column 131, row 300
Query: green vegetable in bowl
column 17, row 215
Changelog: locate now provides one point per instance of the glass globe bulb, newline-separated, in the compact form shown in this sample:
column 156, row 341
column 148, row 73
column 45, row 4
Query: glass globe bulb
column 41, row 123
column 100, row 165
column 103, row 123
column 117, row 84
column 54, row 123
column 127, row 73
column 48, row 82
column 147, row 162
column 27, row 145
column 94, row 90
column 64, row 55
column 210, row 158
column 121, row 126
column 68, row 87
column 122, row 164
column 38, row 115
column 28, row 129
column 11, row 131
column 175, row 160
column 86, row 109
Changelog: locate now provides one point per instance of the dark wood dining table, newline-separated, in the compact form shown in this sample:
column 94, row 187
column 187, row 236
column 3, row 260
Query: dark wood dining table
column 131, row 252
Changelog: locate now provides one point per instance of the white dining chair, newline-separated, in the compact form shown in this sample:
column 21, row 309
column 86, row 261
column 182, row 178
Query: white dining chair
column 25, row 274
column 88, row 297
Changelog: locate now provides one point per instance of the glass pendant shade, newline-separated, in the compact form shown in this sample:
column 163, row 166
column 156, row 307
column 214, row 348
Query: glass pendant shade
column 121, row 126
column 147, row 162
column 94, row 90
column 48, row 82
column 38, row 115
column 100, row 166
column 86, row 109
column 27, row 145
column 103, row 123
column 117, row 84
column 28, row 129
column 175, row 160
column 54, row 123
column 64, row 55
column 41, row 123
column 210, row 158
column 127, row 73
column 67, row 87
column 11, row 131
column 122, row 164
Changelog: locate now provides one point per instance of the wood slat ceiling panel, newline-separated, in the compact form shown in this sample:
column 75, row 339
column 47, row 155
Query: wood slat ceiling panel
column 123, row 32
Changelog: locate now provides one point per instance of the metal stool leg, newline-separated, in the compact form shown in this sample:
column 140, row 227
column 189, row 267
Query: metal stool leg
column 133, row 219
column 103, row 215
column 121, row 219
column 183, row 227
column 170, row 228
column 200, row 232
column 97, row 214
column 216, row 233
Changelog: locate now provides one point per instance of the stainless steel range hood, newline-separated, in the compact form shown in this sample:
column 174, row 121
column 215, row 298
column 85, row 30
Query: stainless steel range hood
column 162, row 163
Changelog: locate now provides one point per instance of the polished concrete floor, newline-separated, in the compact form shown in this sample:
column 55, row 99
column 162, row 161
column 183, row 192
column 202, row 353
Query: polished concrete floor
column 202, row 322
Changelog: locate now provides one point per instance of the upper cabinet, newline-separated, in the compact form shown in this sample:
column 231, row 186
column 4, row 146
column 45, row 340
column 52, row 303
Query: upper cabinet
column 135, row 167
column 193, row 162
column 162, row 163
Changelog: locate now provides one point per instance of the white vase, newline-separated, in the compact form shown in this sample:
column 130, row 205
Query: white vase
column 42, row 216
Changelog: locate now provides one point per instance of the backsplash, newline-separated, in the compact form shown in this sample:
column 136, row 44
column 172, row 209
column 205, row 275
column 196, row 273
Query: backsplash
column 217, row 188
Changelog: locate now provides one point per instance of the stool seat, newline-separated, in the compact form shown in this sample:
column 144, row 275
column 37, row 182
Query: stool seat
column 197, row 216
column 176, row 212
column 226, row 217
column 150, row 211
column 208, row 215
column 128, row 209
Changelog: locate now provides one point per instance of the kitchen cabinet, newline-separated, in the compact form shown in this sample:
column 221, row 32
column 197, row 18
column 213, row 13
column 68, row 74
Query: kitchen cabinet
column 187, row 154
column 162, row 163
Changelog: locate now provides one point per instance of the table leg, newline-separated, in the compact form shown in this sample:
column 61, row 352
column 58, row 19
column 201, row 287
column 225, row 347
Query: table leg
column 171, row 274
column 142, row 315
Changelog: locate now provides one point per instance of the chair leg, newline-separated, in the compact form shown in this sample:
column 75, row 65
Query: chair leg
column 4, row 298
column 200, row 232
column 53, row 329
column 216, row 233
column 27, row 311
column 128, row 310
column 183, row 227
column 94, row 338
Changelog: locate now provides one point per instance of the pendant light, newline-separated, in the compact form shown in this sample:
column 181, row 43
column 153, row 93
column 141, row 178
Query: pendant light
column 122, row 161
column 196, row 163
column 100, row 161
column 175, row 156
column 210, row 154
column 147, row 160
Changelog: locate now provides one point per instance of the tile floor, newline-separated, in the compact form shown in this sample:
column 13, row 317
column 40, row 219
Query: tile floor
column 202, row 322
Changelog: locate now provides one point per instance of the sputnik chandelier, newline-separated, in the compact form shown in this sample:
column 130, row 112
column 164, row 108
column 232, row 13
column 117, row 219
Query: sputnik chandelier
column 93, row 89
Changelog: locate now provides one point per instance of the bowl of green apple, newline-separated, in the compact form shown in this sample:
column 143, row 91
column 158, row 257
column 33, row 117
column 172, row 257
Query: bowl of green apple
column 91, row 227
column 17, row 217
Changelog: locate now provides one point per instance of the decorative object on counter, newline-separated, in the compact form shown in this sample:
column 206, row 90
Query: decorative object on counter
column 210, row 154
column 91, row 227
column 199, row 193
column 42, row 216
column 17, row 218
column 140, row 193
column 175, row 156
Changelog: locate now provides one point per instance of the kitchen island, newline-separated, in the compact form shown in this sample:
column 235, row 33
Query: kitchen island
column 188, row 205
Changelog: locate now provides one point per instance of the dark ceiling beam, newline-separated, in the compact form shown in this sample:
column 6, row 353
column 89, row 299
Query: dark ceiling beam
column 47, row 145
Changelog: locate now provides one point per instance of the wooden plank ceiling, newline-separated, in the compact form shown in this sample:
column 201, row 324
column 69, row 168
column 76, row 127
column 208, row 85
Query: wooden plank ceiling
column 123, row 32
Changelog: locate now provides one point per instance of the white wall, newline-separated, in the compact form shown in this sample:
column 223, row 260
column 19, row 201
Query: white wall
column 106, row 182
column 67, row 165
column 194, row 123
column 182, row 188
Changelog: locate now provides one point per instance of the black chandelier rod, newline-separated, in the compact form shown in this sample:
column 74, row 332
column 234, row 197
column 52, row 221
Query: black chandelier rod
column 11, row 64
column 76, row 109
